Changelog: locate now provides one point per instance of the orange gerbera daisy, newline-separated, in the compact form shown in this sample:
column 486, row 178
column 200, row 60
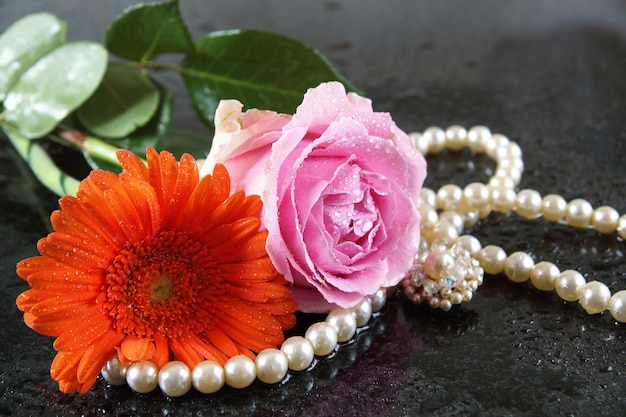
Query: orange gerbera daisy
column 154, row 263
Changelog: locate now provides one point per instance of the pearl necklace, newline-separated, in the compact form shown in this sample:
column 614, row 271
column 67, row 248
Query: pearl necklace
column 447, row 270
column 444, row 251
column 271, row 366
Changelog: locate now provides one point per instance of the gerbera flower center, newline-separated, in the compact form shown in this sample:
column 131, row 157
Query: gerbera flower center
column 162, row 284
column 162, row 289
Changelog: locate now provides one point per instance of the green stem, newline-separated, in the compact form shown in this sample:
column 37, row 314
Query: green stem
column 41, row 164
column 161, row 66
column 94, row 147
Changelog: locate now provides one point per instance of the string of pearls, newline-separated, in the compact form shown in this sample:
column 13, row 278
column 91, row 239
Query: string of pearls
column 447, row 270
column 461, row 208
column 271, row 366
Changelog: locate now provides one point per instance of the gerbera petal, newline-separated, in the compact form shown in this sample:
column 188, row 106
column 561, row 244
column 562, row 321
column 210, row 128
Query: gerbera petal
column 253, row 270
column 124, row 211
column 83, row 333
column 67, row 306
column 235, row 241
column 66, row 280
column 206, row 350
column 94, row 205
column 185, row 353
column 97, row 355
column 70, row 250
column 64, row 366
column 54, row 324
column 145, row 202
column 162, row 351
column 235, row 207
column 209, row 194
column 154, row 173
column 220, row 340
column 74, row 213
column 30, row 298
column 163, row 172
column 287, row 320
column 134, row 348
column 133, row 165
column 186, row 181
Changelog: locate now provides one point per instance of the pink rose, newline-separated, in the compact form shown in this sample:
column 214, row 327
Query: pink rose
column 339, row 184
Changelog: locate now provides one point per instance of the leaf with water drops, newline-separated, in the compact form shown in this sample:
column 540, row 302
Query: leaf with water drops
column 24, row 42
column 261, row 69
column 125, row 100
column 56, row 85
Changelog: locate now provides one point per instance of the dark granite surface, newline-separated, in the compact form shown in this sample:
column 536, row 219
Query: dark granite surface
column 551, row 75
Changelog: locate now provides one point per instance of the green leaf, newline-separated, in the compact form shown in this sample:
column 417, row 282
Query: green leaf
column 144, row 31
column 100, row 155
column 261, row 69
column 24, row 42
column 41, row 164
column 125, row 100
column 52, row 88
column 155, row 130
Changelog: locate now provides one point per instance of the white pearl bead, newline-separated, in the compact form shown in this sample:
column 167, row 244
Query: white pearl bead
column 518, row 266
column 617, row 306
column 419, row 142
column 500, row 139
column 239, row 371
column 363, row 313
column 456, row 137
column 429, row 217
column 470, row 244
column 512, row 160
column 271, row 366
column 604, row 219
column 476, row 196
column 208, row 377
column 175, row 379
column 445, row 304
column 477, row 138
column 578, row 213
column 510, row 172
column 344, row 323
column 299, row 353
column 484, row 212
column 492, row 259
column 443, row 232
column 436, row 138
column 502, row 199
column 500, row 153
column 378, row 299
column 528, row 204
column 470, row 218
column 568, row 284
column 448, row 197
column 427, row 196
column 553, row 207
column 323, row 337
column 515, row 152
column 114, row 372
column 495, row 141
column 454, row 218
column 436, row 262
column 621, row 226
column 594, row 297
column 142, row 377
column 505, row 182
column 543, row 275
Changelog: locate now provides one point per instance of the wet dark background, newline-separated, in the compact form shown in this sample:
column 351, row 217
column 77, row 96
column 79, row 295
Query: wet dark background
column 550, row 75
